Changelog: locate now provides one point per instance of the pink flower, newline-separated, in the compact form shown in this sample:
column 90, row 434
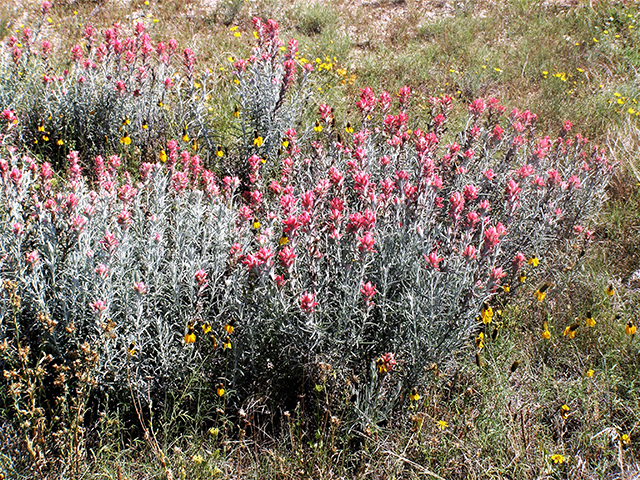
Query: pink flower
column 140, row 287
column 308, row 302
column 16, row 176
column 469, row 252
column 477, row 107
column 366, row 242
column 489, row 175
column 98, row 306
column 368, row 291
column 101, row 270
column 201, row 277
column 33, row 257
column 470, row 192
column 17, row 229
column 109, row 241
column 432, row 260
column 287, row 256
column 518, row 260
column 388, row 361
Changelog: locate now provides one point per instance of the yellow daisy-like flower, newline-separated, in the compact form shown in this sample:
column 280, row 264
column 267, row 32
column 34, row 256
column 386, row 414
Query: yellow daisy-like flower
column 60, row 142
column 506, row 289
column 630, row 328
column 480, row 340
column 414, row 396
column 541, row 292
column 227, row 343
column 590, row 320
column 317, row 127
column 564, row 410
column 220, row 390
column 610, row 290
column 522, row 278
column 190, row 337
column 533, row 261
column 283, row 241
column 557, row 458
column 442, row 425
column 236, row 112
column 285, row 143
column 570, row 331
column 258, row 140
column 348, row 128
column 625, row 439
column 219, row 152
column 486, row 314
column 382, row 368
column 162, row 156
column 256, row 225
column 546, row 334
column 589, row 373
column 131, row 349
column 125, row 140
column 229, row 328
column 206, row 328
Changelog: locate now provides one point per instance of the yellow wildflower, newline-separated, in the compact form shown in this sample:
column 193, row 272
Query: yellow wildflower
column 486, row 313
column 610, row 290
column 533, row 261
column 589, row 373
column 564, row 410
column 590, row 320
column 190, row 337
column 630, row 329
column 442, row 425
column 220, row 390
column 414, row 396
column 557, row 458
column 541, row 292
column 206, row 327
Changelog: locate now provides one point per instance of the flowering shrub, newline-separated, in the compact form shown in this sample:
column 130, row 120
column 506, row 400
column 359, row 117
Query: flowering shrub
column 127, row 95
column 386, row 242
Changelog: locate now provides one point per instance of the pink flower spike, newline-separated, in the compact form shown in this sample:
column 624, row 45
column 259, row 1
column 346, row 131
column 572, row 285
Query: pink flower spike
column 101, row 270
column 433, row 260
column 469, row 252
column 368, row 291
column 140, row 287
column 388, row 360
column 201, row 277
column 33, row 257
column 308, row 302
column 98, row 306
